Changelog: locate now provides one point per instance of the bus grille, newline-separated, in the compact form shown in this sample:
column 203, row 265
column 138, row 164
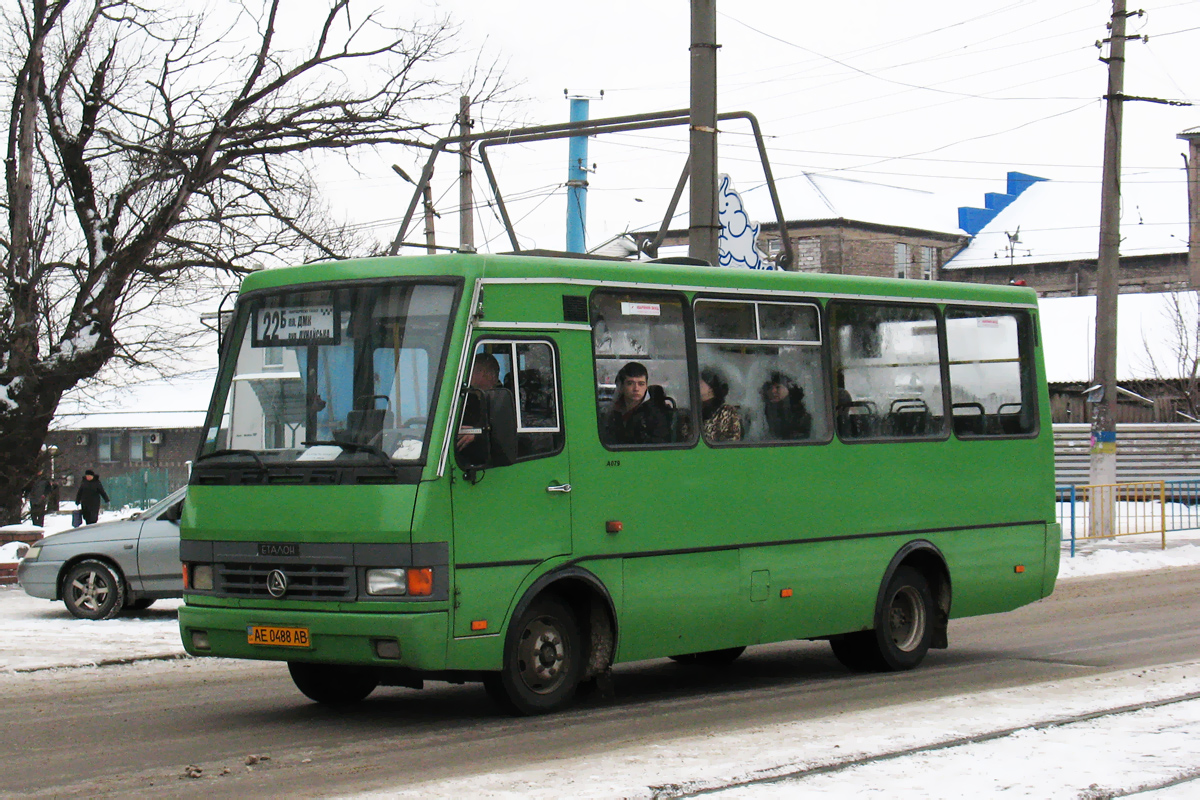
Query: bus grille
column 305, row 581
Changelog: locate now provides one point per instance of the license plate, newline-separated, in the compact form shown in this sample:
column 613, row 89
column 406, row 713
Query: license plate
column 277, row 636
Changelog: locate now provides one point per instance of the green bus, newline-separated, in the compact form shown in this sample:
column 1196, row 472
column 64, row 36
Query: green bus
column 522, row 470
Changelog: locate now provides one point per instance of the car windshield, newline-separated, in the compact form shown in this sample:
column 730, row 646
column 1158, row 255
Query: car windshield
column 336, row 373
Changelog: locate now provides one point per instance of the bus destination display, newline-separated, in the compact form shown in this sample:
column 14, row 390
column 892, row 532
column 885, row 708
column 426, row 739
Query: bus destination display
column 274, row 327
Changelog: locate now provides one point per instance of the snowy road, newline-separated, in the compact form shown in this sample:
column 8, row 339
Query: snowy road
column 1097, row 644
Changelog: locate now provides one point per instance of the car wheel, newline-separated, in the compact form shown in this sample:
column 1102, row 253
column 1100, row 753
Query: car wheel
column 93, row 590
column 543, row 660
column 333, row 684
column 140, row 604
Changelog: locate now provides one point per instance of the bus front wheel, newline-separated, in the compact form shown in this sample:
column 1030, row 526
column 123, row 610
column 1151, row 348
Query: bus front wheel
column 333, row 684
column 902, row 632
column 543, row 660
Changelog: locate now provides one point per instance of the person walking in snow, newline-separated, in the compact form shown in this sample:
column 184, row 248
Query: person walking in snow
column 38, row 494
column 91, row 492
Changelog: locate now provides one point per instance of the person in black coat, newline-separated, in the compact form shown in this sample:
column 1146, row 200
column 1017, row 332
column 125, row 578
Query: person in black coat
column 38, row 494
column 783, row 407
column 637, row 415
column 91, row 492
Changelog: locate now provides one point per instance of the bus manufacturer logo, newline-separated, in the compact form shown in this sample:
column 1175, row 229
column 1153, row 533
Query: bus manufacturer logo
column 277, row 549
column 277, row 583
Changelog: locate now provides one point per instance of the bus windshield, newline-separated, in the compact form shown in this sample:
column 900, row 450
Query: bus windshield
column 334, row 373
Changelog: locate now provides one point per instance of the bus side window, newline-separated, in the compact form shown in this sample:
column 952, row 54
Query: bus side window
column 766, row 357
column 887, row 359
column 643, row 381
column 991, row 372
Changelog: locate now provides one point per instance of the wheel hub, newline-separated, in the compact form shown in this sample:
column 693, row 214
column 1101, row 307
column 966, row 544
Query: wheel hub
column 542, row 656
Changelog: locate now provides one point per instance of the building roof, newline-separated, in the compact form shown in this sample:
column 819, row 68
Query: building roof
column 1147, row 335
column 151, row 404
column 814, row 198
column 1060, row 222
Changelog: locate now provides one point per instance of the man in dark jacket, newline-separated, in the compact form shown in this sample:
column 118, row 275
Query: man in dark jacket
column 635, row 417
column 90, row 493
column 38, row 494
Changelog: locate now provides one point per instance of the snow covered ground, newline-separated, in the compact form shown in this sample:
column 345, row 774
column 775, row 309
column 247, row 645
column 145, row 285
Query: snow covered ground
column 1039, row 757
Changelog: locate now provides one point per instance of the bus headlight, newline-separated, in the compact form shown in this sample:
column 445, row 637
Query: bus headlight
column 198, row 577
column 391, row 582
column 399, row 581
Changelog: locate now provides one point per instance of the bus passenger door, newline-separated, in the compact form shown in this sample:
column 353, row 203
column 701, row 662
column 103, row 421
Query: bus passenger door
column 508, row 519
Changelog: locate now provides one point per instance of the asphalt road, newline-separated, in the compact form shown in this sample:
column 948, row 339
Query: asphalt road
column 136, row 729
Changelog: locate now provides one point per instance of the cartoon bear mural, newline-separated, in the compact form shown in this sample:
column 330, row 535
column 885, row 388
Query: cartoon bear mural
column 737, row 245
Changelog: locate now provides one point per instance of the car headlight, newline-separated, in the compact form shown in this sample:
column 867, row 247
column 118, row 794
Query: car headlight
column 31, row 554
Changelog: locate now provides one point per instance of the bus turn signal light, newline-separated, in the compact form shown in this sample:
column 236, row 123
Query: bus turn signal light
column 613, row 526
column 785, row 592
column 1019, row 568
column 420, row 582
column 479, row 624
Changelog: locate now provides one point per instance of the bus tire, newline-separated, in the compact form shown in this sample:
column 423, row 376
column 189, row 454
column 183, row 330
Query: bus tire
column 903, row 628
column 543, row 660
column 711, row 658
column 333, row 684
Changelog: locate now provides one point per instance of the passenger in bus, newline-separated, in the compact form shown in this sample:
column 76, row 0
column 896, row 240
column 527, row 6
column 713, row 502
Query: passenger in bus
column 783, row 408
column 720, row 422
column 634, row 417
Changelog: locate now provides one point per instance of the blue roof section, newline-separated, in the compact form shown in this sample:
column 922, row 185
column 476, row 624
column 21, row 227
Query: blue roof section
column 973, row 220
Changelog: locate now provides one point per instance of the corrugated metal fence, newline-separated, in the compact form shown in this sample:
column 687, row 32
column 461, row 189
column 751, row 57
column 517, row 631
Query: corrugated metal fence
column 1145, row 452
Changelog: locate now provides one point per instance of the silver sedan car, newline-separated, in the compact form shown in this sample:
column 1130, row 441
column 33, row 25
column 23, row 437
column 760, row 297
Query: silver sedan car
column 98, row 570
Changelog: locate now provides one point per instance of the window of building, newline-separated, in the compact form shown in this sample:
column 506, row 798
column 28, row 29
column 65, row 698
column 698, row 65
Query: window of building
column 761, row 362
column 926, row 260
column 643, row 381
column 887, row 359
column 903, row 259
column 272, row 357
column 991, row 373
column 142, row 446
column 108, row 446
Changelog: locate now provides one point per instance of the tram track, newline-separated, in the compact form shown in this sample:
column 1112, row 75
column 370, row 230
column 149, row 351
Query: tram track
column 783, row 774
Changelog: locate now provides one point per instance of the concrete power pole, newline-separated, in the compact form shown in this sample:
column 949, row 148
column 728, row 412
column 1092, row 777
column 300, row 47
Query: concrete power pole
column 703, row 227
column 577, row 184
column 466, row 216
column 1104, row 396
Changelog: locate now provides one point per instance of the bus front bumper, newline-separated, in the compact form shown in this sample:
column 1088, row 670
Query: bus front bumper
column 415, row 640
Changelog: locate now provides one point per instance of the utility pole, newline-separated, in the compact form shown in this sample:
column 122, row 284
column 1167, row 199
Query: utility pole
column 577, row 183
column 1104, row 377
column 466, row 216
column 703, row 227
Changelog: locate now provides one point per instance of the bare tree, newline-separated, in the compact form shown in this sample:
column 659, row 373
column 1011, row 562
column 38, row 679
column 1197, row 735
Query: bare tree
column 151, row 151
column 1174, row 361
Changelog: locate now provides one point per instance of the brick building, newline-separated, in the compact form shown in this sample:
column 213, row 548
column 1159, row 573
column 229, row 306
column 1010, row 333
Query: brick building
column 852, row 227
column 153, row 425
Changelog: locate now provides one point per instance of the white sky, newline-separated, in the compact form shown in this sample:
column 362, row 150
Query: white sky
column 942, row 96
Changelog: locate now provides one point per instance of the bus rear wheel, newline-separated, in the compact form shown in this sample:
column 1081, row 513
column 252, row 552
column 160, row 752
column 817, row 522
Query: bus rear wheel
column 902, row 632
column 543, row 660
column 333, row 684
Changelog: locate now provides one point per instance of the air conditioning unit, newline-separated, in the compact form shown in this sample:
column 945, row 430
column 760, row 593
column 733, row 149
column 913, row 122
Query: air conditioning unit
column 81, row 439
column 154, row 437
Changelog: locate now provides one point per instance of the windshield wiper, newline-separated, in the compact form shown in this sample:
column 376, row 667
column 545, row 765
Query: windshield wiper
column 355, row 447
column 216, row 453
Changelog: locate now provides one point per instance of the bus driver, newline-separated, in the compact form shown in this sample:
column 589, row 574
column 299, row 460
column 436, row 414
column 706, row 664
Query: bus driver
column 633, row 417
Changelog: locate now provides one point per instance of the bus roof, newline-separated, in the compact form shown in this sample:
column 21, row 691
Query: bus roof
column 568, row 271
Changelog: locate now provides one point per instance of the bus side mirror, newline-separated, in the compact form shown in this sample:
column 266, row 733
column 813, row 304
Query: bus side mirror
column 490, row 420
